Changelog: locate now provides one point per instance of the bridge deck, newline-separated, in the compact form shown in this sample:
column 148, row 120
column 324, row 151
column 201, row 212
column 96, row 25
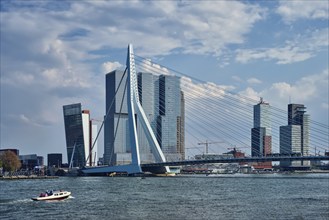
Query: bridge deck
column 236, row 160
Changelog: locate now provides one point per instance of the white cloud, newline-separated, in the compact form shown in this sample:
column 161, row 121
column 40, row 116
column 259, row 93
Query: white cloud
column 211, row 33
column 293, row 10
column 110, row 66
column 297, row 50
column 18, row 78
column 236, row 78
column 146, row 65
column 247, row 94
column 23, row 118
column 309, row 89
column 194, row 27
column 285, row 55
column 210, row 90
column 254, row 81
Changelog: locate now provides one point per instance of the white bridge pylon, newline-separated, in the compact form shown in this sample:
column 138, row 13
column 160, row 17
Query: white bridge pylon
column 135, row 109
column 135, row 112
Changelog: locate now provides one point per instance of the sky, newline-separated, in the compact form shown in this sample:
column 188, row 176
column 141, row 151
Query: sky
column 55, row 53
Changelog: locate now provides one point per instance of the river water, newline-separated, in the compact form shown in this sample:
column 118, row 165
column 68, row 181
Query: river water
column 274, row 196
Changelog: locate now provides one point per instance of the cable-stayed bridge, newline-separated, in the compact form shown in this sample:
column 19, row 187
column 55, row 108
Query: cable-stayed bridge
column 209, row 112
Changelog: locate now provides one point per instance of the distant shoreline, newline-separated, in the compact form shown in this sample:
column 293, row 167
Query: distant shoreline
column 27, row 177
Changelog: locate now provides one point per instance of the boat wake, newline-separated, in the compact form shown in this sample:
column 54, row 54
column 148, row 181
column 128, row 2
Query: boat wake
column 12, row 201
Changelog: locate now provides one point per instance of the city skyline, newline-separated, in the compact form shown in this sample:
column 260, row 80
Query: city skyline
column 277, row 50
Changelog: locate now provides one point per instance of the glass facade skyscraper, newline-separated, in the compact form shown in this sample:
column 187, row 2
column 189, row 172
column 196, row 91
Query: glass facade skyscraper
column 116, row 141
column 162, row 102
column 74, row 134
column 170, row 117
column 261, row 139
column 79, row 136
column 294, row 138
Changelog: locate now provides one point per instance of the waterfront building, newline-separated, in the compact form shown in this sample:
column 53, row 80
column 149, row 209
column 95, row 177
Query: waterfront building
column 171, row 118
column 261, row 139
column 297, row 116
column 163, row 104
column 294, row 138
column 116, row 131
column 31, row 161
column 148, row 91
column 55, row 159
column 78, row 132
column 15, row 151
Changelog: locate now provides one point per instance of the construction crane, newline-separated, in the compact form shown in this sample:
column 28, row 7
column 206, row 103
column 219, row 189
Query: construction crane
column 207, row 143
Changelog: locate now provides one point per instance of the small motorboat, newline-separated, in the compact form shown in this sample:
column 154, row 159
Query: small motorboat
column 52, row 195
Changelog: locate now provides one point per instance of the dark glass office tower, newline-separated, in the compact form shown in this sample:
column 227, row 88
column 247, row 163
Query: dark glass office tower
column 261, row 139
column 74, row 134
column 294, row 137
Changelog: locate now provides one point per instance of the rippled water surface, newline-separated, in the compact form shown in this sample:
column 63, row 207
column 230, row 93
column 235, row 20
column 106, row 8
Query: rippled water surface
column 298, row 196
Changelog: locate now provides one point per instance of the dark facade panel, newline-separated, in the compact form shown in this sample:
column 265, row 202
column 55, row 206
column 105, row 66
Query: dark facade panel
column 74, row 134
column 55, row 160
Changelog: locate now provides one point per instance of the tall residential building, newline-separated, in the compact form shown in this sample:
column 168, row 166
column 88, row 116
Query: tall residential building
column 161, row 99
column 78, row 132
column 294, row 138
column 261, row 139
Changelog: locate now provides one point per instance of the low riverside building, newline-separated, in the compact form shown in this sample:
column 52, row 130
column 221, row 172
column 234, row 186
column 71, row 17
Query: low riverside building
column 213, row 156
column 31, row 161
column 15, row 151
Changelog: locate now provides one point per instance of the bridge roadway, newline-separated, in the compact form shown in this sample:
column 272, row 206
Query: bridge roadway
column 236, row 160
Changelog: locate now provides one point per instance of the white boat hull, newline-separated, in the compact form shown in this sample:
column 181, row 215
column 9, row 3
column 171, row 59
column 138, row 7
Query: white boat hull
column 57, row 195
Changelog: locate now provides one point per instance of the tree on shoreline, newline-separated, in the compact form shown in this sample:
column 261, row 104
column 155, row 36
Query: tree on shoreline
column 9, row 161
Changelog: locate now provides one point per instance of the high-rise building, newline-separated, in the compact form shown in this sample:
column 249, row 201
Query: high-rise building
column 294, row 138
column 55, row 160
column 163, row 104
column 297, row 116
column 78, row 132
column 170, row 120
column 261, row 139
column 116, row 131
column 148, row 91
